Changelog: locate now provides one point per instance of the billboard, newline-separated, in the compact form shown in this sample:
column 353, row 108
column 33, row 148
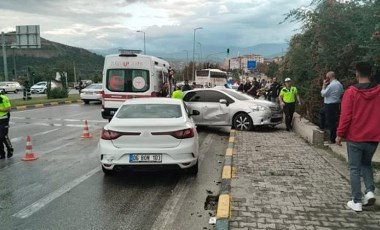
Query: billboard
column 251, row 64
column 28, row 36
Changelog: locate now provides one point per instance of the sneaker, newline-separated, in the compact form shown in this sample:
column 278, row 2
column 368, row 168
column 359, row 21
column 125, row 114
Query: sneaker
column 369, row 199
column 2, row 157
column 10, row 153
column 357, row 207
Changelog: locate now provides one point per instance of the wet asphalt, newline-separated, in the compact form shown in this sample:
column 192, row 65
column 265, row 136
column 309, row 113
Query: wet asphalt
column 66, row 189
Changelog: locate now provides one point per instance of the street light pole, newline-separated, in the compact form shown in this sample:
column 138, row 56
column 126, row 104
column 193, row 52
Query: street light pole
column 192, row 74
column 187, row 62
column 4, row 56
column 140, row 31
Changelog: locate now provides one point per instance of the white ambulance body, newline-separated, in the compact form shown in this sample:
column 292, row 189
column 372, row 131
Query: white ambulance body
column 130, row 74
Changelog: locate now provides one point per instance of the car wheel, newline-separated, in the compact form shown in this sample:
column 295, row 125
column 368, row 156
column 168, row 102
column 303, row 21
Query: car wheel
column 242, row 122
column 86, row 102
column 44, row 91
column 108, row 172
column 193, row 170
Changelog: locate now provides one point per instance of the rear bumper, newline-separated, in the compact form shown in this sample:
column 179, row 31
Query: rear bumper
column 185, row 155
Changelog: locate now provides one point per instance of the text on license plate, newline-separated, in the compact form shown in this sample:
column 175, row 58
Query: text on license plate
column 145, row 158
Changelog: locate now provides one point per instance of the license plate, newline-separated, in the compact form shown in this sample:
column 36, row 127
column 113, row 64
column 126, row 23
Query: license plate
column 138, row 158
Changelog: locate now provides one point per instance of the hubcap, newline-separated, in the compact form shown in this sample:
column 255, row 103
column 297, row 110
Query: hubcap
column 242, row 123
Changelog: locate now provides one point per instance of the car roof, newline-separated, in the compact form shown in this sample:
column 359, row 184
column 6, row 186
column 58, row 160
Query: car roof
column 153, row 100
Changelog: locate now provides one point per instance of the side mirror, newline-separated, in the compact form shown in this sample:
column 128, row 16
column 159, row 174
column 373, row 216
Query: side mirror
column 223, row 101
column 195, row 113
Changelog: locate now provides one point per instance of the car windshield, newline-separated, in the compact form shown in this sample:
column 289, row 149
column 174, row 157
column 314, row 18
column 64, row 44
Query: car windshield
column 94, row 86
column 149, row 111
column 237, row 95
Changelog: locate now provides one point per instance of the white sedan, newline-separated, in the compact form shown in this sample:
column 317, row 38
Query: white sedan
column 149, row 132
column 92, row 92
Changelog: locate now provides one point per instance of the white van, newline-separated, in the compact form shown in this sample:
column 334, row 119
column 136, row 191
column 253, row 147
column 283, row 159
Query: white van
column 130, row 74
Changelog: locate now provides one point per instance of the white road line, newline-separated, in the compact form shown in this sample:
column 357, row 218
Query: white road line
column 16, row 139
column 28, row 211
column 172, row 206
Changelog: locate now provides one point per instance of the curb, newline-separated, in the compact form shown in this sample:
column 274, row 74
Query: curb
column 223, row 211
column 35, row 106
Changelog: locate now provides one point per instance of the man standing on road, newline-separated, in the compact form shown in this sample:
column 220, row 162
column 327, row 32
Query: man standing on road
column 331, row 92
column 186, row 86
column 288, row 97
column 5, row 108
column 359, row 124
column 274, row 90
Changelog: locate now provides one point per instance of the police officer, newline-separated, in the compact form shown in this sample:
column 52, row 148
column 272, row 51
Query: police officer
column 288, row 97
column 5, row 108
column 178, row 94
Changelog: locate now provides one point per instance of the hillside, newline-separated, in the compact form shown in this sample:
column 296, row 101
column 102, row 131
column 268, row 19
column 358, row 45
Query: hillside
column 50, row 58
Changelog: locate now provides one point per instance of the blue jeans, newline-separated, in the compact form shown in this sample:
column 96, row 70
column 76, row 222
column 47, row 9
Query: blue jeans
column 359, row 161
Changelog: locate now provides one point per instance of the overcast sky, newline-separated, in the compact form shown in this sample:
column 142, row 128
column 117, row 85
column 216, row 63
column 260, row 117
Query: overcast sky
column 168, row 24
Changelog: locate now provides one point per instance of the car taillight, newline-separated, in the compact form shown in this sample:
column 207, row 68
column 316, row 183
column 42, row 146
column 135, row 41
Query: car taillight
column 179, row 134
column 112, row 135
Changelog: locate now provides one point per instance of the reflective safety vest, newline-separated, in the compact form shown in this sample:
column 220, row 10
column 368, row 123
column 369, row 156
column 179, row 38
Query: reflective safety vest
column 4, row 104
column 178, row 94
column 289, row 95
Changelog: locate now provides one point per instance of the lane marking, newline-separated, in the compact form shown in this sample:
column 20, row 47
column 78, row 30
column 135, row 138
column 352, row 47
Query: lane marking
column 231, row 140
column 16, row 139
column 223, row 210
column 173, row 205
column 31, row 209
column 229, row 152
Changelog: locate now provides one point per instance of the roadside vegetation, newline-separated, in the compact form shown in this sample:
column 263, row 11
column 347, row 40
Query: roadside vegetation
column 334, row 35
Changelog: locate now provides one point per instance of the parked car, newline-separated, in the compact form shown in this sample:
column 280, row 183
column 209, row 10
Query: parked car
column 92, row 92
column 221, row 106
column 40, row 87
column 149, row 132
column 7, row 87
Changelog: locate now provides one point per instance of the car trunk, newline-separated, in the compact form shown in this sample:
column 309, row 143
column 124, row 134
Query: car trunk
column 138, row 132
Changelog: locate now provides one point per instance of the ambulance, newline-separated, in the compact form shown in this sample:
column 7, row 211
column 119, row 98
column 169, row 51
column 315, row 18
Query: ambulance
column 131, row 74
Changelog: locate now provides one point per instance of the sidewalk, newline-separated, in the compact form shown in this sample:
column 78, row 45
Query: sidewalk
column 281, row 182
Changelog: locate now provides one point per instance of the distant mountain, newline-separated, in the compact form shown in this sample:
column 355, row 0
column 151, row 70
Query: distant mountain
column 51, row 57
column 213, row 53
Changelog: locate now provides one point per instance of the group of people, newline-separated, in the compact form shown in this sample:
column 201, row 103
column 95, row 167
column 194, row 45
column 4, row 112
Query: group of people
column 178, row 91
column 352, row 115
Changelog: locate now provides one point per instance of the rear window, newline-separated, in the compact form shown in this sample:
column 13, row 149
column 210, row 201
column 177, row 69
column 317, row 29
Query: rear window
column 149, row 111
column 127, row 80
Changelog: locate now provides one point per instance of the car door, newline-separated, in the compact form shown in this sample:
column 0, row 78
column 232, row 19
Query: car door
column 214, row 112
column 194, row 101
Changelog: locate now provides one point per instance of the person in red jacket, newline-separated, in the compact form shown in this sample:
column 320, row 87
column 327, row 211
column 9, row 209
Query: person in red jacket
column 359, row 124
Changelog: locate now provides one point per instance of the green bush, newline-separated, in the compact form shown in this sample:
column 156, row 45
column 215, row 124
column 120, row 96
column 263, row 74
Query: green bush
column 58, row 93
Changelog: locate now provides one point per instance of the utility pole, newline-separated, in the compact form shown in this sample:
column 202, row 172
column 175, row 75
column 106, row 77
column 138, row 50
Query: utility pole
column 4, row 56
column 75, row 74
column 193, row 73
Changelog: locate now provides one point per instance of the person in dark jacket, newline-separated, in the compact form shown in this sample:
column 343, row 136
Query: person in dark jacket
column 186, row 86
column 274, row 90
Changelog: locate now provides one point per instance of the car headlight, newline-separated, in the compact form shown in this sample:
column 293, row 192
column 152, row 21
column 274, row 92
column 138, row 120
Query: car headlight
column 257, row 108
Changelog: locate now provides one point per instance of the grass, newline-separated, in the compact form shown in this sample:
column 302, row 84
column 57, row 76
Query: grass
column 42, row 100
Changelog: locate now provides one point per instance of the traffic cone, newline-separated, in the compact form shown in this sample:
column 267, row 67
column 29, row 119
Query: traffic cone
column 85, row 134
column 29, row 155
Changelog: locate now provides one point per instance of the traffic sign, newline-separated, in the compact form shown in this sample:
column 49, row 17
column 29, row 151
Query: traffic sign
column 251, row 64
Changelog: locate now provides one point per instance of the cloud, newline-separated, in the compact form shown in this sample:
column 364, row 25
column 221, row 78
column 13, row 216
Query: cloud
column 168, row 24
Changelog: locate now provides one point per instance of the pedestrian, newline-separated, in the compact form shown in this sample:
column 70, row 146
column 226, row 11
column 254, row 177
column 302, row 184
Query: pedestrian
column 247, row 85
column 186, row 86
column 164, row 92
column 241, row 87
column 359, row 124
column 194, row 85
column 5, row 108
column 177, row 94
column 288, row 97
column 254, row 88
column 274, row 90
column 331, row 92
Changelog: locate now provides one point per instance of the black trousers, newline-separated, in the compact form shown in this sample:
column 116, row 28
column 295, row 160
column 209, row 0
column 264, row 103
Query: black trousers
column 332, row 114
column 289, row 109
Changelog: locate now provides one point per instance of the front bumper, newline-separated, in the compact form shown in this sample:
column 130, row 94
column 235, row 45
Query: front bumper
column 266, row 117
